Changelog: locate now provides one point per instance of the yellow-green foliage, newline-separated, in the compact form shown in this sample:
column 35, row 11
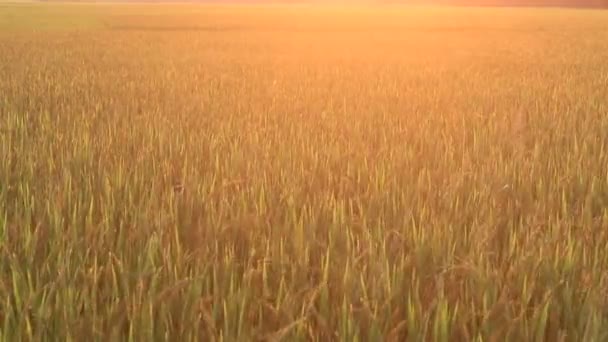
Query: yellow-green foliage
column 303, row 173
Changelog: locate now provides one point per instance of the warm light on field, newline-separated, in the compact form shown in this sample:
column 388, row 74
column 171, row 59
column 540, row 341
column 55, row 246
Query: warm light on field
column 302, row 173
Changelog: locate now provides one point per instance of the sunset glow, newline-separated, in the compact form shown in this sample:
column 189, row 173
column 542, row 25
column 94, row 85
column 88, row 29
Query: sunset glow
column 304, row 172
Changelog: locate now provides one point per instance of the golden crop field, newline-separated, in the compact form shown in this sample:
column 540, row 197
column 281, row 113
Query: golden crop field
column 303, row 173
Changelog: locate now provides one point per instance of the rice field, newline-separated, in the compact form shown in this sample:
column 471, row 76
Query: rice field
column 303, row 173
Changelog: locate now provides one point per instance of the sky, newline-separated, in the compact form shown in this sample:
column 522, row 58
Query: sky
column 540, row 3
column 568, row 3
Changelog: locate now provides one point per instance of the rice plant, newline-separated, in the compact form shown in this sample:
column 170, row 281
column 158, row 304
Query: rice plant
column 218, row 173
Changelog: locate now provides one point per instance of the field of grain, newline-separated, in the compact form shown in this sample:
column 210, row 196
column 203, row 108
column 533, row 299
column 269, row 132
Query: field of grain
column 236, row 173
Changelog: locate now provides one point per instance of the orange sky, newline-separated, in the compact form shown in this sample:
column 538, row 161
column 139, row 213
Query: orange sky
column 566, row 3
